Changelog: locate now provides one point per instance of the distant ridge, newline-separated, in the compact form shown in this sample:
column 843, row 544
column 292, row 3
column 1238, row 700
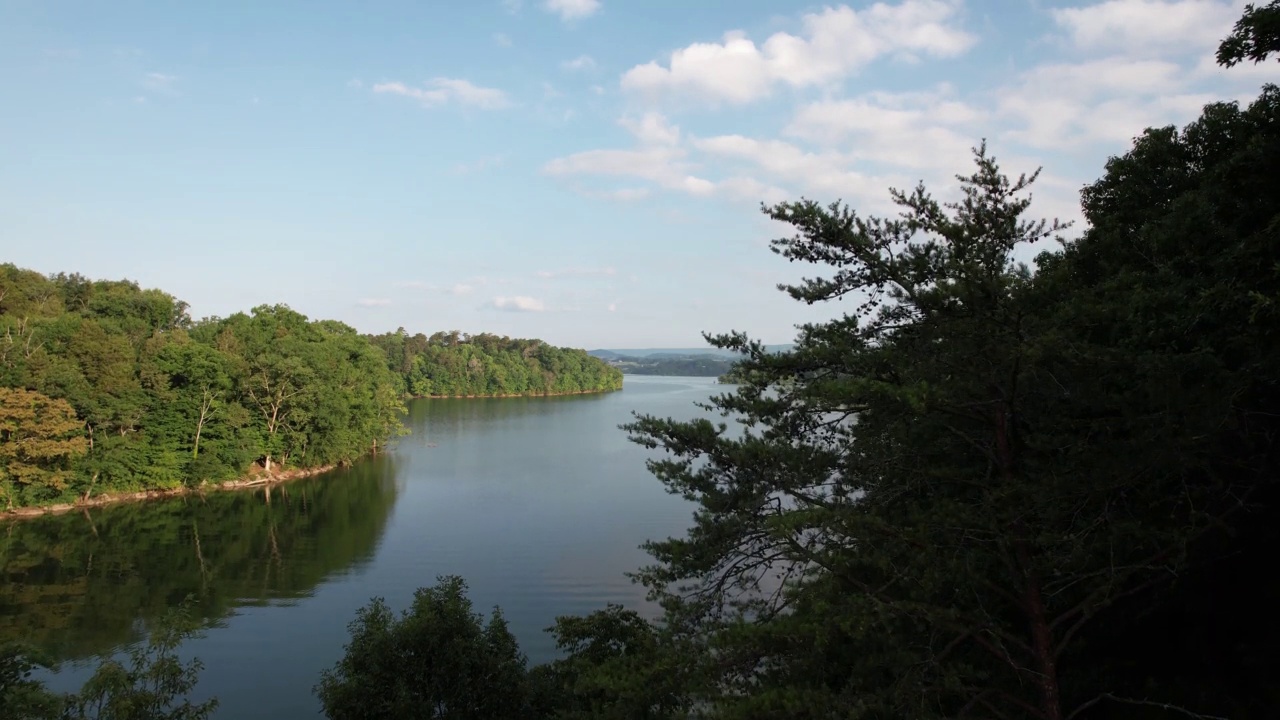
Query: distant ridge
column 675, row 352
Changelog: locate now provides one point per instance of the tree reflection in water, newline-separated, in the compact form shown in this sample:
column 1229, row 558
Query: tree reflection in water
column 81, row 584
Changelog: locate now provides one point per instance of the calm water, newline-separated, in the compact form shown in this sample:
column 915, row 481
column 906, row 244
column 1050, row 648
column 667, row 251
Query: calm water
column 539, row 503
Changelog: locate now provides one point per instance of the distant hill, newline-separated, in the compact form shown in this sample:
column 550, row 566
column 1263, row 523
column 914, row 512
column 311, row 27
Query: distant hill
column 687, row 362
column 666, row 352
column 676, row 352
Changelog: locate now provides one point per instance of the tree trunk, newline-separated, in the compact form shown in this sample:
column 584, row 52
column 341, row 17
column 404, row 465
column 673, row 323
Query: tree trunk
column 206, row 403
column 1032, row 600
column 1041, row 639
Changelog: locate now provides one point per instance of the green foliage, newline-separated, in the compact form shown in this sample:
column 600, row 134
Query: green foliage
column 162, row 401
column 456, row 365
column 1255, row 36
column 438, row 659
column 22, row 698
column 952, row 500
column 616, row 665
column 153, row 686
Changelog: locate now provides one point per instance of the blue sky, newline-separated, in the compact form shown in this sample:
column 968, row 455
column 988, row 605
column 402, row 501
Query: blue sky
column 585, row 171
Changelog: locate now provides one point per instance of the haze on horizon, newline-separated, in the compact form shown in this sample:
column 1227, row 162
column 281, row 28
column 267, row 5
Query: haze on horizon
column 584, row 171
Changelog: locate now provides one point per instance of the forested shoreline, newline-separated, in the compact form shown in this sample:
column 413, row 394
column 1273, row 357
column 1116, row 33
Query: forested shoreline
column 454, row 364
column 110, row 390
column 984, row 491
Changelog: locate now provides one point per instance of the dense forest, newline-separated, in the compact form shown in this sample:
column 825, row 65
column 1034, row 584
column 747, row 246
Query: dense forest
column 453, row 364
column 106, row 387
column 983, row 492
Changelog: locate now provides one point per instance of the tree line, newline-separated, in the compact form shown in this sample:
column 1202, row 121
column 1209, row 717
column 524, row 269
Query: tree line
column 982, row 491
column 670, row 364
column 106, row 387
column 454, row 364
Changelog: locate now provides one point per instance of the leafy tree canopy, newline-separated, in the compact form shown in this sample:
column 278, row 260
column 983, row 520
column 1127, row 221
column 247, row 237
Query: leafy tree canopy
column 1255, row 36
column 438, row 659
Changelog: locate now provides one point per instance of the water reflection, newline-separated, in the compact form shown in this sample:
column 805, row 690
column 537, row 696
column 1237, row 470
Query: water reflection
column 81, row 584
column 540, row 503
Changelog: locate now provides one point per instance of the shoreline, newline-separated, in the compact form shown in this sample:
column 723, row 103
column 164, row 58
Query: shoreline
column 512, row 395
column 261, row 479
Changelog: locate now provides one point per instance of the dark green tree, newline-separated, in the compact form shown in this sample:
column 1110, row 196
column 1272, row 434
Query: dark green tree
column 437, row 659
column 1255, row 36
column 930, row 504
column 1169, row 302
column 615, row 665
column 153, row 686
column 22, row 698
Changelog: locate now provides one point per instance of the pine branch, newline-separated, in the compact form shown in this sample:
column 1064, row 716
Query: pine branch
column 1147, row 703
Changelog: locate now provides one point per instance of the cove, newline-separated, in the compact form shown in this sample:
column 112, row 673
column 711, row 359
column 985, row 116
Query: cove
column 540, row 503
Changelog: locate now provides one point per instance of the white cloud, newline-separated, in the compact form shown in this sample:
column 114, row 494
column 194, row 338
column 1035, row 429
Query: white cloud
column 355, row 83
column 572, row 9
column 834, row 43
column 373, row 302
column 915, row 130
column 578, row 272
column 652, row 129
column 441, row 90
column 512, row 6
column 662, row 165
column 502, row 40
column 461, row 289
column 1137, row 26
column 826, row 172
column 613, row 307
column 518, row 303
column 747, row 188
column 484, row 163
column 414, row 285
column 1060, row 106
column 159, row 82
column 627, row 194
column 582, row 62
column 1112, row 68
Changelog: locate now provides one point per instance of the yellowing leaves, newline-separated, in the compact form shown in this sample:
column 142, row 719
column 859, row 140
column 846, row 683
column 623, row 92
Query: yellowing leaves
column 39, row 435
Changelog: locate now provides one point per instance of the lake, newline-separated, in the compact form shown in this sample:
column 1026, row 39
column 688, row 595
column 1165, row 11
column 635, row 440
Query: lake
column 540, row 503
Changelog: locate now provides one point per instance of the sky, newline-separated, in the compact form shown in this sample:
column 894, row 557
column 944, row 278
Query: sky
column 589, row 172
